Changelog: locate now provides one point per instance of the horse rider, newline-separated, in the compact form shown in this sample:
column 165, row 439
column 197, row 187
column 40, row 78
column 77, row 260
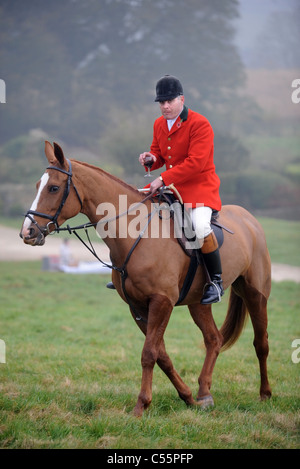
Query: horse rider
column 183, row 141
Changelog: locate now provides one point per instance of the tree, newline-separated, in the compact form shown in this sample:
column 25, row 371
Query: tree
column 278, row 44
column 66, row 67
column 143, row 40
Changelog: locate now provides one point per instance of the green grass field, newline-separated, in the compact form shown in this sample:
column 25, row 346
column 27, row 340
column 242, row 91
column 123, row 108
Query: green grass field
column 283, row 239
column 72, row 372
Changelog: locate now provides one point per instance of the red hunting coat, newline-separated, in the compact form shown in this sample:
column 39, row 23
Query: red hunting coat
column 187, row 151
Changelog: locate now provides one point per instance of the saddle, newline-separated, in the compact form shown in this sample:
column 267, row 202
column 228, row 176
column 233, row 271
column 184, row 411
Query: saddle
column 187, row 239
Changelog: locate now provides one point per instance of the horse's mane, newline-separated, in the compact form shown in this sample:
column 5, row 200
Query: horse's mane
column 110, row 176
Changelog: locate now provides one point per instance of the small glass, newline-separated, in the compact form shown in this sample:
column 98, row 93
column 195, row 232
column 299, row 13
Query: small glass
column 148, row 163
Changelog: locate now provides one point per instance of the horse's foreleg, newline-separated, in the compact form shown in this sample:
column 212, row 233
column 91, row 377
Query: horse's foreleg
column 160, row 309
column 166, row 365
column 213, row 340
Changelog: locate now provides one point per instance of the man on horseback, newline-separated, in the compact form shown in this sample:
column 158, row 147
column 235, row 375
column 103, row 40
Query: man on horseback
column 183, row 140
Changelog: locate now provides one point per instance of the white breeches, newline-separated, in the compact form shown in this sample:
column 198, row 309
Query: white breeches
column 201, row 217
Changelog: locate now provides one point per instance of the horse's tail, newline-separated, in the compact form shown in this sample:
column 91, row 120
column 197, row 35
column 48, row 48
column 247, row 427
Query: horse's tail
column 235, row 320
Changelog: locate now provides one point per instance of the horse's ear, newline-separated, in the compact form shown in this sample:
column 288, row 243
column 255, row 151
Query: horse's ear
column 49, row 152
column 59, row 154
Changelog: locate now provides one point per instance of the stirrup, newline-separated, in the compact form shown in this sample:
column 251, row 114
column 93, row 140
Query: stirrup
column 210, row 297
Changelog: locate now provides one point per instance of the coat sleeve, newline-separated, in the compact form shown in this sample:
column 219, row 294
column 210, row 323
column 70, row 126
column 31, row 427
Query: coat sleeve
column 199, row 156
column 155, row 150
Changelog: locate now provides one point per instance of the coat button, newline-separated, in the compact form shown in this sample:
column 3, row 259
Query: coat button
column 171, row 166
column 169, row 148
column 169, row 157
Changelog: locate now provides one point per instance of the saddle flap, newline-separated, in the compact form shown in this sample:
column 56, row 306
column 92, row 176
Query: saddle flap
column 183, row 226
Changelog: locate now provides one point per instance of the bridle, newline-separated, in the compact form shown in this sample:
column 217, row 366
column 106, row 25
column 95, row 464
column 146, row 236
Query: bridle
column 53, row 218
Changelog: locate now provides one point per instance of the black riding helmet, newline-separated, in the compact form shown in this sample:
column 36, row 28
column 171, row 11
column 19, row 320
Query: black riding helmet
column 168, row 88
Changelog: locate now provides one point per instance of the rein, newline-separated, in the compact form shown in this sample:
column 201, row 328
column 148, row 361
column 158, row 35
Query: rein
column 122, row 270
column 90, row 247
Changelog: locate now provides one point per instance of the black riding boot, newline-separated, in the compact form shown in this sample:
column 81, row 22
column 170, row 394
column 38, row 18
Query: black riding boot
column 111, row 286
column 213, row 290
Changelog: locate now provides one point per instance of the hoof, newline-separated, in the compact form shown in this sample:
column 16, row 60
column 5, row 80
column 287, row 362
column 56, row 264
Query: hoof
column 139, row 408
column 265, row 396
column 205, row 402
column 137, row 412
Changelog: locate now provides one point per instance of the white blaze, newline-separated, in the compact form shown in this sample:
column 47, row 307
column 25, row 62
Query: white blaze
column 27, row 221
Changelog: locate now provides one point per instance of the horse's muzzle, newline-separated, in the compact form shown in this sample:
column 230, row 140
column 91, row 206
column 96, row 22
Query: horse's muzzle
column 32, row 236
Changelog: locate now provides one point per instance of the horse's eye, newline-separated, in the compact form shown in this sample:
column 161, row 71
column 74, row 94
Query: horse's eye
column 53, row 189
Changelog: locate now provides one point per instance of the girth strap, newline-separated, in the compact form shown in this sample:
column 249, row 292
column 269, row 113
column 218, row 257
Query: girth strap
column 189, row 278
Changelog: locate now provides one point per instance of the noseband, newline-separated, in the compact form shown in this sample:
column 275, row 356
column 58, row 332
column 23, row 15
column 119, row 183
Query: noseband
column 53, row 218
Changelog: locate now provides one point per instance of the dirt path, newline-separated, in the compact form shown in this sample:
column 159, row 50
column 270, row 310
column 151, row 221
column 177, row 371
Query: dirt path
column 13, row 249
column 282, row 272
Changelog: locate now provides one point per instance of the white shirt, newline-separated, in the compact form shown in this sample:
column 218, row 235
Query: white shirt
column 171, row 122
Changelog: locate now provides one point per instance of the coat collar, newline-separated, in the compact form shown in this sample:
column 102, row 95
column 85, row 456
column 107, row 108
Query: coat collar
column 183, row 116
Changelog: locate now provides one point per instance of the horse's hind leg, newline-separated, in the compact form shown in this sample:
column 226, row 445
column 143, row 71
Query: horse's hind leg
column 165, row 363
column 256, row 304
column 213, row 340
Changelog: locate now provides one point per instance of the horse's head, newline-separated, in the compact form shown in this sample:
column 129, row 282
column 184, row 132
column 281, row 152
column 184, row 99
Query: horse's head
column 56, row 201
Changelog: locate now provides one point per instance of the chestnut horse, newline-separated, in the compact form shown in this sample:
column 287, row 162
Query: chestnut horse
column 156, row 268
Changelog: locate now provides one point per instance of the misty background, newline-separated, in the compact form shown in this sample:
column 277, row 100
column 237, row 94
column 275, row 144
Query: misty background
column 83, row 73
